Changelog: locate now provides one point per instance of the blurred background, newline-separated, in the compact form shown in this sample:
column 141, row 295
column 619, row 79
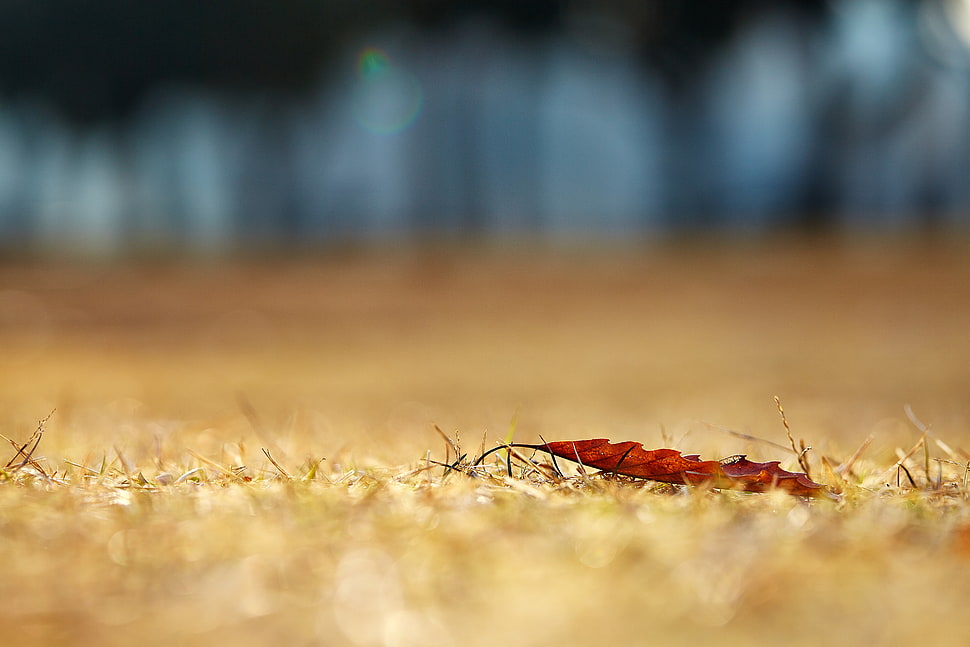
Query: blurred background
column 184, row 126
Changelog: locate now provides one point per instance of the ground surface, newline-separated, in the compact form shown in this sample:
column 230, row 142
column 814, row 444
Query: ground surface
column 168, row 378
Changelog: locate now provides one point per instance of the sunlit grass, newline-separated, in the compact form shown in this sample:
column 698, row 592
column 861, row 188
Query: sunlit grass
column 190, row 550
column 149, row 513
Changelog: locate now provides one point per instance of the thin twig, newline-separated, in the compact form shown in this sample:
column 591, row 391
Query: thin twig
column 744, row 436
column 802, row 459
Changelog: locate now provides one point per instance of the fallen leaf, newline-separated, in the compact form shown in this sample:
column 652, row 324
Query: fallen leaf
column 670, row 466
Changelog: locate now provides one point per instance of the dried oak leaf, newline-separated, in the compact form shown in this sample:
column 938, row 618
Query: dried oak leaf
column 670, row 466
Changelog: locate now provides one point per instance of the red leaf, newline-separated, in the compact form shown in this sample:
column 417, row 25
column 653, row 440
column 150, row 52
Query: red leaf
column 670, row 466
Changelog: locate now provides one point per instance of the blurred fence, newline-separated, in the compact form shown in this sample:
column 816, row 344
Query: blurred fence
column 859, row 120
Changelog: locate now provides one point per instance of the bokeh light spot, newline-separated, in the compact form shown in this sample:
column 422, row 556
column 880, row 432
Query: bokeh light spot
column 387, row 98
column 372, row 62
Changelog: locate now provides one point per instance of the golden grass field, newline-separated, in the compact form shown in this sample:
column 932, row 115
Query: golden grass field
column 161, row 521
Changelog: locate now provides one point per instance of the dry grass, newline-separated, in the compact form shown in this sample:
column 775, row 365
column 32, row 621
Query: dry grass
column 148, row 514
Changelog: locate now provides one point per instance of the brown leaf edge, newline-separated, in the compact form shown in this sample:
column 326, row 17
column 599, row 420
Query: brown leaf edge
column 629, row 458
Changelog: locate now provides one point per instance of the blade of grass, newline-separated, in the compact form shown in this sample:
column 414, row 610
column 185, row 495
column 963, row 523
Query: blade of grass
column 553, row 456
column 192, row 472
column 211, row 463
column 272, row 460
column 34, row 440
column 93, row 472
column 834, row 477
column 256, row 423
column 957, row 455
column 513, row 424
column 846, row 467
column 905, row 456
column 449, row 443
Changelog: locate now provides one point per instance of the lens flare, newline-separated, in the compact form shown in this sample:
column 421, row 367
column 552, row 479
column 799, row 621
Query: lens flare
column 387, row 98
column 372, row 62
